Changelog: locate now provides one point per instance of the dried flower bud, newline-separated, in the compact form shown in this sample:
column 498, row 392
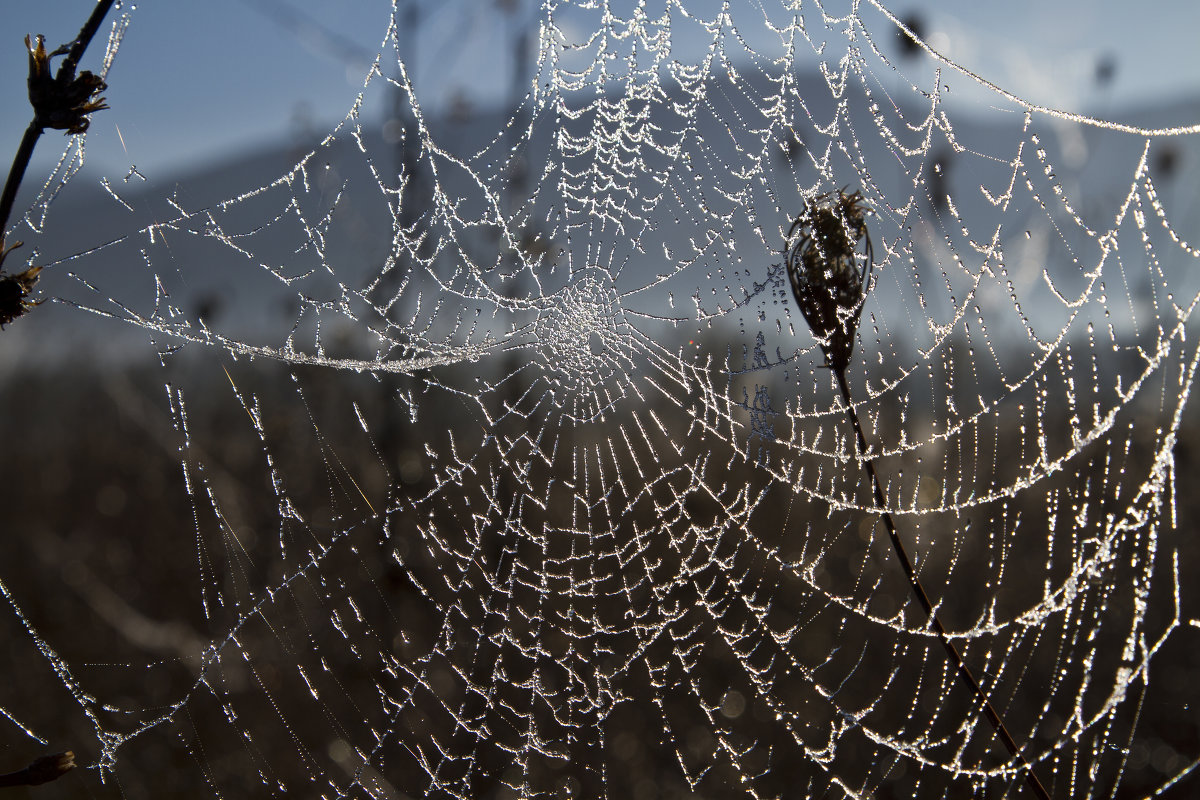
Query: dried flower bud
column 42, row 770
column 15, row 289
column 61, row 102
column 823, row 266
column 48, row 768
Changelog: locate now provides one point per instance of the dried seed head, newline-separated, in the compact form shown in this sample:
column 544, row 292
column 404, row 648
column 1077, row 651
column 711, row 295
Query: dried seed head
column 48, row 768
column 15, row 289
column 63, row 101
column 823, row 266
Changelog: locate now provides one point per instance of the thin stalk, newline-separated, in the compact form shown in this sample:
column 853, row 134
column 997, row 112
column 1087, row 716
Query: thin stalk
column 17, row 173
column 84, row 38
column 964, row 672
column 66, row 73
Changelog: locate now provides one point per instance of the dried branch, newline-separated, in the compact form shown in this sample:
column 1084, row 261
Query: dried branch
column 62, row 102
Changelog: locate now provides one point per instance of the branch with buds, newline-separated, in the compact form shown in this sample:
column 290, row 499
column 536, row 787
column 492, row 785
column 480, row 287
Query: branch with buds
column 62, row 102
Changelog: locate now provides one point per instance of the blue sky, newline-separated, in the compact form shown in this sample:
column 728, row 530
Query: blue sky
column 195, row 81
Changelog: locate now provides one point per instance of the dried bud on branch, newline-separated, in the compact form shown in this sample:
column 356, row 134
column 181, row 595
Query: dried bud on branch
column 15, row 289
column 61, row 102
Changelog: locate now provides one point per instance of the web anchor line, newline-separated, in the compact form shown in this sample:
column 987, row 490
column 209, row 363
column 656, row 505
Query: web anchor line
column 964, row 672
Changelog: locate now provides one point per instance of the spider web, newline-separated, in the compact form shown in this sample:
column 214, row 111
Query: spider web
column 505, row 466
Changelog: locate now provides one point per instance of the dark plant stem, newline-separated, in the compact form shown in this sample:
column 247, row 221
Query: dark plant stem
column 17, row 173
column 960, row 666
column 84, row 38
column 66, row 72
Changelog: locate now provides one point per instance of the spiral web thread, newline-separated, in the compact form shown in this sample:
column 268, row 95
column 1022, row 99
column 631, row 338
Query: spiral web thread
column 538, row 486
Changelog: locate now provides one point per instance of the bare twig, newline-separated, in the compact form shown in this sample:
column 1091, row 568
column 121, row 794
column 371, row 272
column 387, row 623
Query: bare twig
column 960, row 666
column 41, row 770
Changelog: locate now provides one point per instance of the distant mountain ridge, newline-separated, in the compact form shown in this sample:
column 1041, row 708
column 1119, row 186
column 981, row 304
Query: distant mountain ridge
column 206, row 280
